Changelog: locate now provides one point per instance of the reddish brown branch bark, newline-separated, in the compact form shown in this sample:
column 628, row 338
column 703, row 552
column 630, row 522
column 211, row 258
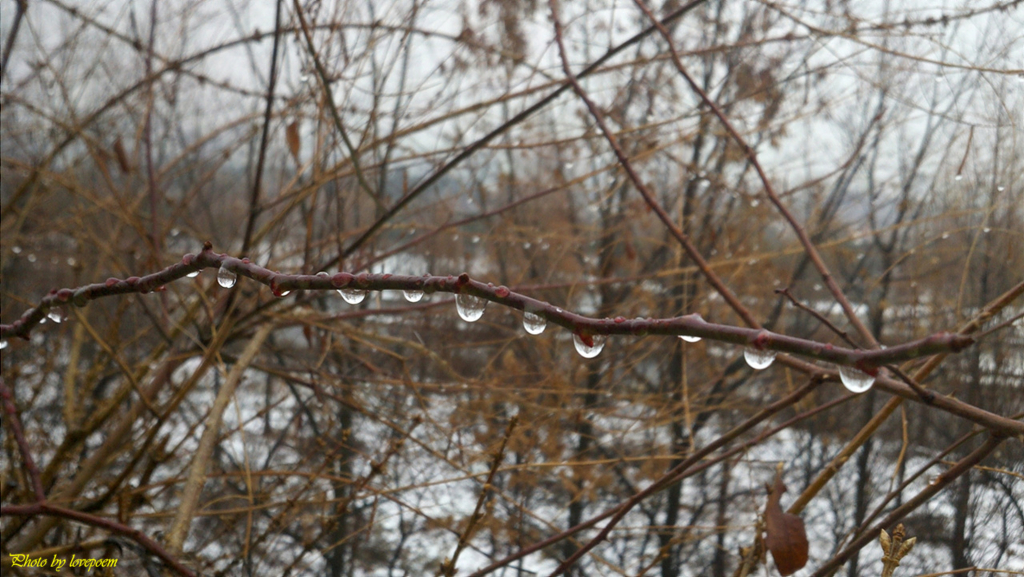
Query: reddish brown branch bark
column 13, row 421
column 45, row 509
column 283, row 284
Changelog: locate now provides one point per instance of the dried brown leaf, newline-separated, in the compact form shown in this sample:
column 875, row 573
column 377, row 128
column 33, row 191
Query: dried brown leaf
column 785, row 536
column 122, row 156
column 291, row 135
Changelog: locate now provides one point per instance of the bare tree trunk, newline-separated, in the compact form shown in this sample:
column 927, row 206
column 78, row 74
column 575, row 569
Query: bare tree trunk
column 718, row 567
column 585, row 435
column 339, row 560
column 863, row 479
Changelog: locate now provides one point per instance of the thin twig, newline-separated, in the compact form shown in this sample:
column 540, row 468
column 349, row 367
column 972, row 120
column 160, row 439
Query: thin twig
column 325, row 83
column 254, row 198
column 14, row 422
column 648, row 196
column 674, row 475
column 505, row 126
column 910, row 479
column 999, row 327
column 926, row 396
column 448, row 566
column 996, row 305
column 751, row 155
column 942, row 481
column 147, row 141
column 42, row 508
column 48, row 510
column 818, row 316
column 22, row 6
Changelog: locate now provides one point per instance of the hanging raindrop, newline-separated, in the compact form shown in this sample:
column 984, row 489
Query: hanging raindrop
column 57, row 314
column 3, row 345
column 689, row 338
column 958, row 177
column 226, row 278
column 470, row 308
column 193, row 274
column 588, row 351
column 534, row 324
column 352, row 296
column 856, row 381
column 758, row 359
column 413, row 296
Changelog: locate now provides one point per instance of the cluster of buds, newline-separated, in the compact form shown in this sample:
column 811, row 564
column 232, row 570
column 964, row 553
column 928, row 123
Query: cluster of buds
column 894, row 548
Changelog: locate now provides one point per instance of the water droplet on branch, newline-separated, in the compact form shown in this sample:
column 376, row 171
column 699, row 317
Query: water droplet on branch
column 3, row 345
column 226, row 278
column 352, row 296
column 690, row 339
column 534, row 324
column 470, row 308
column 57, row 314
column 855, row 380
column 413, row 296
column 193, row 274
column 758, row 359
column 588, row 351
